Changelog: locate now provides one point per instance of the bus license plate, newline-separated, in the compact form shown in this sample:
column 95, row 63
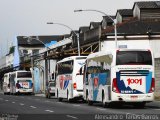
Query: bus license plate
column 134, row 97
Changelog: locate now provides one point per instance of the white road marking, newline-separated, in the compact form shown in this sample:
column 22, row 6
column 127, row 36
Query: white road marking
column 76, row 105
column 21, row 104
column 101, row 109
column 156, row 109
column 6, row 100
column 60, row 102
column 13, row 102
column 49, row 111
column 47, row 101
column 37, row 99
column 33, row 107
column 71, row 116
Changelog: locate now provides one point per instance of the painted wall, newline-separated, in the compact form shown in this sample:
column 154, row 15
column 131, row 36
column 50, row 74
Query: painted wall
column 40, row 74
column 16, row 59
column 36, row 80
column 131, row 44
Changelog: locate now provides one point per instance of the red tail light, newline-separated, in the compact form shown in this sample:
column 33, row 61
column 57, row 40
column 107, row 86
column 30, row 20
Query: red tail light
column 152, row 88
column 114, row 86
column 74, row 86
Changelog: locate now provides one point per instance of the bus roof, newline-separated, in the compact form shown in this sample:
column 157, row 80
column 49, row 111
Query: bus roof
column 98, row 54
column 106, row 52
column 19, row 71
column 7, row 73
column 71, row 58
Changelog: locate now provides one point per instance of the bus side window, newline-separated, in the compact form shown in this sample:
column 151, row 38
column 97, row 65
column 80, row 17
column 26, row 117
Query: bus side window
column 86, row 74
column 56, row 73
column 108, row 77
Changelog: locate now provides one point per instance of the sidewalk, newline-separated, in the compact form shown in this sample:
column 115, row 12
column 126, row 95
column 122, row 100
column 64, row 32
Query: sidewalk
column 1, row 92
column 40, row 94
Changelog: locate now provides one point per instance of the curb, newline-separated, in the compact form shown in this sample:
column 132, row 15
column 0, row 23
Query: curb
column 40, row 95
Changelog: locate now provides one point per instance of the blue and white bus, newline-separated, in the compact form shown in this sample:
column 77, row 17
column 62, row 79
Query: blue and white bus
column 69, row 79
column 123, row 75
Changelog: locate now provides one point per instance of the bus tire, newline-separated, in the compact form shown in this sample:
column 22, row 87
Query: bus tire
column 139, row 104
column 68, row 96
column 59, row 99
column 86, row 95
column 104, row 104
column 57, row 93
column 49, row 95
column 89, row 101
column 46, row 95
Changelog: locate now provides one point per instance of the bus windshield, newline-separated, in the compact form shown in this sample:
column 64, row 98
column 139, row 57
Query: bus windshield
column 134, row 57
column 24, row 75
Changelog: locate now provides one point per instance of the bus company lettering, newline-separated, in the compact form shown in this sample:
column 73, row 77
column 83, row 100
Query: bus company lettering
column 134, row 81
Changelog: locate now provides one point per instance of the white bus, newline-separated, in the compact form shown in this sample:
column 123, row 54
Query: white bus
column 6, row 84
column 69, row 80
column 21, row 82
column 122, row 76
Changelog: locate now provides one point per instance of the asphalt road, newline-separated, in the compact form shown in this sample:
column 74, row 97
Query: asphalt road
column 25, row 107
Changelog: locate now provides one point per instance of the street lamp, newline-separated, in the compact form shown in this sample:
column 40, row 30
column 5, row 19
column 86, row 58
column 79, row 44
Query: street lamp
column 114, row 20
column 37, row 39
column 79, row 54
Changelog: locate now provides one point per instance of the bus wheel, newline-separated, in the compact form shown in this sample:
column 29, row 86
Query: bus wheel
column 49, row 95
column 89, row 101
column 139, row 105
column 46, row 95
column 69, row 100
column 59, row 99
column 103, row 100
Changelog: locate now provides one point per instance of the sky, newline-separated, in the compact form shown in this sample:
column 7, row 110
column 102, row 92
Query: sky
column 29, row 17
